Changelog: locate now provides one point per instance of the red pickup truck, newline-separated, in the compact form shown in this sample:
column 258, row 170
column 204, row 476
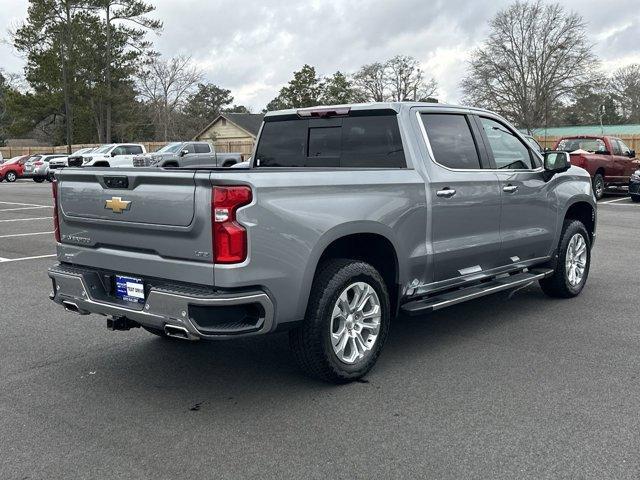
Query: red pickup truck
column 609, row 161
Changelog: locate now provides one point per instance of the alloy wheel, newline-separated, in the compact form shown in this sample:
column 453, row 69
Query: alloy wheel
column 355, row 322
column 576, row 259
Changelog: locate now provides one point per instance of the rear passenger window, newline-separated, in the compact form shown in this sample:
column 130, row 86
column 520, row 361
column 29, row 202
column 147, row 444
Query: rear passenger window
column 372, row 142
column 360, row 141
column 203, row 148
column 451, row 140
column 133, row 149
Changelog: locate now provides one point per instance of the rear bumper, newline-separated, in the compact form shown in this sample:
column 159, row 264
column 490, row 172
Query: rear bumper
column 203, row 314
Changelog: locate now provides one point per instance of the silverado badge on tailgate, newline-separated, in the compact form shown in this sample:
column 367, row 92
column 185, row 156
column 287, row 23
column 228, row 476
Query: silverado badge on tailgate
column 117, row 205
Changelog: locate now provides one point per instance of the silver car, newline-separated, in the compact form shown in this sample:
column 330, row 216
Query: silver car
column 38, row 167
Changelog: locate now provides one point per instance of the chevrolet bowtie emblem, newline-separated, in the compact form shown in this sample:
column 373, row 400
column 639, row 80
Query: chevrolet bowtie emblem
column 117, row 205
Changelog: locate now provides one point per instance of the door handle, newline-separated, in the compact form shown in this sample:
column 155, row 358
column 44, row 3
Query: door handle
column 510, row 188
column 446, row 193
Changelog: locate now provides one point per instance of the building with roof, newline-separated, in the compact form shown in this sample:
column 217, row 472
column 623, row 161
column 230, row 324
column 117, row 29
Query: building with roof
column 232, row 127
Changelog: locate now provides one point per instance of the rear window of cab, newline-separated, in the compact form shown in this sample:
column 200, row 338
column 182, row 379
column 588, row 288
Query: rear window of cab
column 371, row 141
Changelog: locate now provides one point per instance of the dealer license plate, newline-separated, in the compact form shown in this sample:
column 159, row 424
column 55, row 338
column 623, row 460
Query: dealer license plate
column 130, row 289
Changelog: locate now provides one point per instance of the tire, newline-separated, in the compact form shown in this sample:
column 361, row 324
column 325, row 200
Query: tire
column 598, row 186
column 561, row 284
column 635, row 198
column 312, row 343
column 38, row 179
column 228, row 164
column 11, row 177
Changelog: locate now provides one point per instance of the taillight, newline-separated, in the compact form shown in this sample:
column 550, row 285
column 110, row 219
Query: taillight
column 56, row 222
column 229, row 237
column 37, row 164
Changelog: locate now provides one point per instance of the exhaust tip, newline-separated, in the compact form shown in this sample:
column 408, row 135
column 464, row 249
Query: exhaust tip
column 70, row 306
column 177, row 332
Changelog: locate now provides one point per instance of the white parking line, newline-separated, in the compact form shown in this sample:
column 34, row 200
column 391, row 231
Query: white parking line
column 9, row 260
column 26, row 219
column 25, row 204
column 615, row 200
column 22, row 208
column 25, row 234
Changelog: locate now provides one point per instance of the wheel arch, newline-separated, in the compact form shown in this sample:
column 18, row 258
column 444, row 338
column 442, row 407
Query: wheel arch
column 585, row 212
column 368, row 241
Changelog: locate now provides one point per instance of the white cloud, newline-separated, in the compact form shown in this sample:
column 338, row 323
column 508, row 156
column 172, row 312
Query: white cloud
column 252, row 47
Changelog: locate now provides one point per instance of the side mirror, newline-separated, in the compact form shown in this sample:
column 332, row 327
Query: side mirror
column 632, row 154
column 556, row 162
column 114, row 153
column 184, row 152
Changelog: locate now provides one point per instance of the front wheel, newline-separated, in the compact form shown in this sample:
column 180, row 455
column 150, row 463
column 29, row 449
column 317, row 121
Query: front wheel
column 346, row 324
column 635, row 198
column 573, row 262
column 11, row 177
column 598, row 186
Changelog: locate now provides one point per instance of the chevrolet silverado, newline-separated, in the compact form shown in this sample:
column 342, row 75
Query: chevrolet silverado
column 347, row 216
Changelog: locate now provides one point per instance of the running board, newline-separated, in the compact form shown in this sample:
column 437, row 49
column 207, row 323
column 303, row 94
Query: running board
column 424, row 305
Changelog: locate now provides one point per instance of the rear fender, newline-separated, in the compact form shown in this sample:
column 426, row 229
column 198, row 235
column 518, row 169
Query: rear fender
column 337, row 232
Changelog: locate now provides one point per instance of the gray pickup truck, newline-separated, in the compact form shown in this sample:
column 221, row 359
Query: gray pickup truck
column 187, row 154
column 347, row 216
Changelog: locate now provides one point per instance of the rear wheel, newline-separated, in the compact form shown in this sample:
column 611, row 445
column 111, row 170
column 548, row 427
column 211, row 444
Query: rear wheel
column 346, row 324
column 635, row 198
column 11, row 177
column 598, row 186
column 573, row 262
column 38, row 179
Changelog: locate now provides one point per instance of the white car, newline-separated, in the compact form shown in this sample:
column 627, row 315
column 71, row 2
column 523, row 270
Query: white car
column 113, row 155
column 64, row 161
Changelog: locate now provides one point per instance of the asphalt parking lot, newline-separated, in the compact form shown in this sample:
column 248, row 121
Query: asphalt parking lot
column 502, row 387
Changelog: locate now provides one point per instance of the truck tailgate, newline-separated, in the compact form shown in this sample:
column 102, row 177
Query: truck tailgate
column 144, row 221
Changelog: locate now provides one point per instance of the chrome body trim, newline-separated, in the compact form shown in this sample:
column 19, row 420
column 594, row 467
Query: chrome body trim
column 161, row 308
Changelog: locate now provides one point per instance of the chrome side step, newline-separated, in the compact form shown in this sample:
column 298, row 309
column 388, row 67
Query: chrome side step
column 429, row 304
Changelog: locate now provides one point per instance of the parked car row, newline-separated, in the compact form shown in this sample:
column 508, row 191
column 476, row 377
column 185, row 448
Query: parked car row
column 42, row 167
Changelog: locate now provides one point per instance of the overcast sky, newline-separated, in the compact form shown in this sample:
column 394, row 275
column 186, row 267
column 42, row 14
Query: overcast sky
column 253, row 46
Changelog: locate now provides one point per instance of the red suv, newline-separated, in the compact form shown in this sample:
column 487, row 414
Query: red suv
column 12, row 169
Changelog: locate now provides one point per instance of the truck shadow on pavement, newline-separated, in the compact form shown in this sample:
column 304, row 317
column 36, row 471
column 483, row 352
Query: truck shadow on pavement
column 252, row 369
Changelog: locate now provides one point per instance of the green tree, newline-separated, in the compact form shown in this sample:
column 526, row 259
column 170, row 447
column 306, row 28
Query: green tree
column 305, row 89
column 47, row 38
column 126, row 19
column 338, row 89
column 206, row 103
column 589, row 105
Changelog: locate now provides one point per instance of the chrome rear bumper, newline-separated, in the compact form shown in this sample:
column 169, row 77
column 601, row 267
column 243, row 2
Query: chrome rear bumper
column 82, row 292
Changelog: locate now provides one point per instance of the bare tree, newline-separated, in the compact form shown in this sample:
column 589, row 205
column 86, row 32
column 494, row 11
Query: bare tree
column 398, row 79
column 372, row 81
column 406, row 80
column 535, row 55
column 625, row 87
column 165, row 85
